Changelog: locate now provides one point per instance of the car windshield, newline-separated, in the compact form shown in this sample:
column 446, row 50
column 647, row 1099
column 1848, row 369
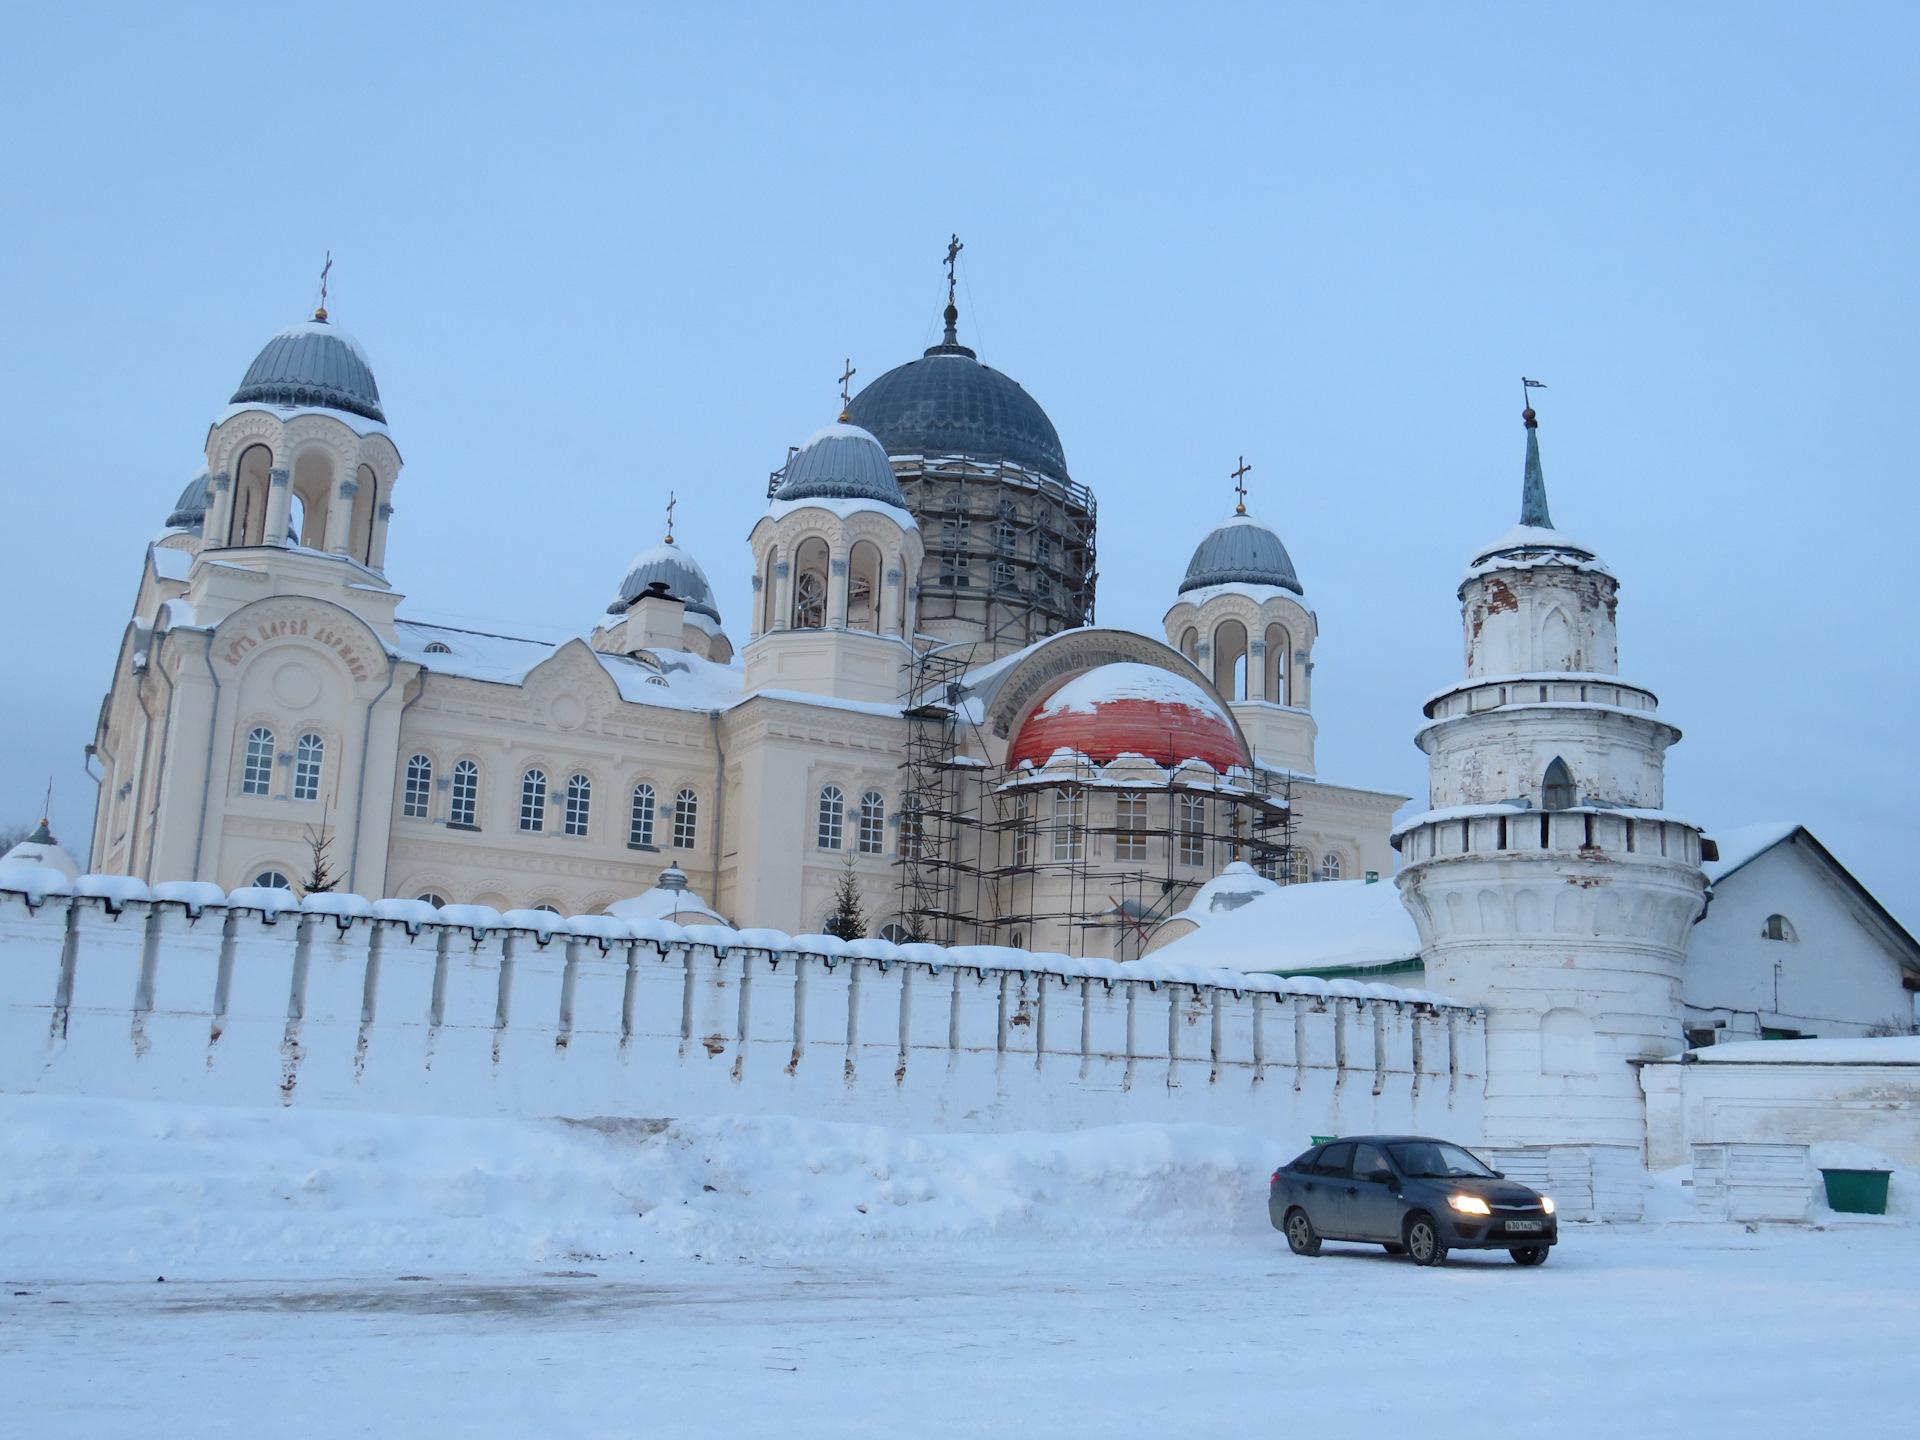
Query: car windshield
column 1437, row 1160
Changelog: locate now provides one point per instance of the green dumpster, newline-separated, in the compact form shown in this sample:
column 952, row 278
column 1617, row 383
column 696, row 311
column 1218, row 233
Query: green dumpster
column 1857, row 1192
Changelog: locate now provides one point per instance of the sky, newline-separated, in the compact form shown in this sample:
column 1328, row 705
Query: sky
column 601, row 254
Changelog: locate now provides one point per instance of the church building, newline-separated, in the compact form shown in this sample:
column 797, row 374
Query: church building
column 920, row 696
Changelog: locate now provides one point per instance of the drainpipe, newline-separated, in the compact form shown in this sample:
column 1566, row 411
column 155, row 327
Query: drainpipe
column 146, row 746
column 91, row 754
column 154, row 662
column 206, row 779
column 360, row 795
column 719, row 805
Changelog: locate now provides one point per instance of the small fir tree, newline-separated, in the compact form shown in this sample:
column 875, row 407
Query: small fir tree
column 320, row 879
column 849, row 920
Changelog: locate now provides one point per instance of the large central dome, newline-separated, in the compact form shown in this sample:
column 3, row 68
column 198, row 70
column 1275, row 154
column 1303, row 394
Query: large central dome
column 948, row 403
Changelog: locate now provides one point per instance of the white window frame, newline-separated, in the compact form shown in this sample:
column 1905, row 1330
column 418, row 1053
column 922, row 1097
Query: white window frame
column 309, row 764
column 257, row 777
column 533, row 801
column 873, row 823
column 1130, row 825
column 686, row 820
column 417, row 801
column 464, row 807
column 579, row 804
column 1069, row 824
column 640, row 815
column 831, row 827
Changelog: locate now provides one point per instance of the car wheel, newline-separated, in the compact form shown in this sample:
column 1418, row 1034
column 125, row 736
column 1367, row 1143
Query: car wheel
column 1423, row 1241
column 1302, row 1238
column 1393, row 1247
column 1529, row 1254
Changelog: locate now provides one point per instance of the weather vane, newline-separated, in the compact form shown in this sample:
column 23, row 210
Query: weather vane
column 1240, row 485
column 954, row 247
column 1526, row 401
column 846, row 399
column 672, row 500
column 325, row 270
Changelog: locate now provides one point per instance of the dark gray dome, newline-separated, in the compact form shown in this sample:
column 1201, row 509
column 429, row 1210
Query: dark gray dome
column 313, row 365
column 190, row 510
column 841, row 462
column 667, row 564
column 948, row 403
column 1245, row 552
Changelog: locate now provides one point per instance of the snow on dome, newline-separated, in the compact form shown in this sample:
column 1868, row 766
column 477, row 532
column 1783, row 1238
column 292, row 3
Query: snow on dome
column 313, row 365
column 40, row 848
column 190, row 510
column 1242, row 551
column 841, row 462
column 1129, row 707
column 667, row 564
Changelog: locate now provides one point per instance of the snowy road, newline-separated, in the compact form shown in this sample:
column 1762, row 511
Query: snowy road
column 1707, row 1330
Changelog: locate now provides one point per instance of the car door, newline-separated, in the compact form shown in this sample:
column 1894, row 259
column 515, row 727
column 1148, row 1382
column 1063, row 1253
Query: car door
column 1325, row 1190
column 1370, row 1205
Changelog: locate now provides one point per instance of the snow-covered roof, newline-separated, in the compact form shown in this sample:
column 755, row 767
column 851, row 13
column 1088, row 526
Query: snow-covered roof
column 1890, row 1050
column 680, row 906
column 1127, row 680
column 1744, row 844
column 1525, row 546
column 844, row 507
column 169, row 563
column 684, row 681
column 666, row 563
column 40, row 850
column 1259, row 594
column 1300, row 927
column 1242, row 549
column 359, row 424
column 840, row 461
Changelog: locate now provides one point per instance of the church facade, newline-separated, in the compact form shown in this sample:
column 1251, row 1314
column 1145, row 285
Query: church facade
column 920, row 697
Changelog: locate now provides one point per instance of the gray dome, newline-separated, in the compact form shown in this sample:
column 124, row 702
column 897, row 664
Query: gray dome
column 841, row 462
column 1245, row 552
column 667, row 564
column 190, row 510
column 948, row 403
column 313, row 365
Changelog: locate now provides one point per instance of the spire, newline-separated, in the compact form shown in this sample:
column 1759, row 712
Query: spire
column 954, row 247
column 1533, row 489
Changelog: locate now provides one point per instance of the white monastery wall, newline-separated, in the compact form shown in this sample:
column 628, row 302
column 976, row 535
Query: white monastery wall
column 1794, row 1103
column 234, row 1006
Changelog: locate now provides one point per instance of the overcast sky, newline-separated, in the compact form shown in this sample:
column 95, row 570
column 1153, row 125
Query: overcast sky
column 598, row 256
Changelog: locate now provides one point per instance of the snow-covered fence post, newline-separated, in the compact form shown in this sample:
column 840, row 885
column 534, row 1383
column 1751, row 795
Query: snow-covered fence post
column 1006, row 986
column 953, row 1015
column 1419, row 1048
column 442, row 954
column 569, row 983
column 69, row 963
column 906, row 1022
column 1259, row 1034
column 629, row 992
column 743, row 1025
column 686, row 994
column 799, row 1012
column 1379, row 1008
column 1299, row 1042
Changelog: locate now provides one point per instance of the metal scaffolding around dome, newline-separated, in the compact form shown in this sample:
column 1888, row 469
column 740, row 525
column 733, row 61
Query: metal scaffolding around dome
column 1037, row 858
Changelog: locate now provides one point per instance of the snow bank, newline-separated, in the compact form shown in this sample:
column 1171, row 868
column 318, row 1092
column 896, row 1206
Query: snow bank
column 121, row 1188
column 1889, row 1050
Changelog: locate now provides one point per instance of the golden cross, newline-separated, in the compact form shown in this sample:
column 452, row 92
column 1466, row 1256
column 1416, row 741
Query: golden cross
column 954, row 247
column 672, row 500
column 325, row 270
column 1240, row 485
column 845, row 398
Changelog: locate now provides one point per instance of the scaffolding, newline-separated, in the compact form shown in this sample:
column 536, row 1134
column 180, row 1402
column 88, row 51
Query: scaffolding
column 1034, row 859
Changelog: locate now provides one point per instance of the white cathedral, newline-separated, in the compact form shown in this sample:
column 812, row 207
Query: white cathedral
column 920, row 694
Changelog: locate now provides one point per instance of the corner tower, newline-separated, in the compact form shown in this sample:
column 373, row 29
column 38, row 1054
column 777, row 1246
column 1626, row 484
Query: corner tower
column 1009, row 535
column 1548, row 881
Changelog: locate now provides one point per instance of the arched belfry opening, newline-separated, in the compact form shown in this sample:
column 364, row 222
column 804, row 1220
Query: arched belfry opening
column 1557, row 790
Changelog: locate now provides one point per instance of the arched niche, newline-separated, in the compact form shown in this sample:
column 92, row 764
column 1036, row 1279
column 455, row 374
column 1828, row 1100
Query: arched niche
column 863, row 586
column 252, row 484
column 366, row 501
column 1230, row 659
column 810, row 568
column 313, row 486
column 1279, row 665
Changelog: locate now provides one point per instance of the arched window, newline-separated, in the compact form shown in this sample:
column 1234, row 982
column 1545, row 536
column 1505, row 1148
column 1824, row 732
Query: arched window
column 1023, row 828
column 579, row 802
column 466, row 795
column 1279, row 653
column 956, row 531
column 1330, row 866
column 769, row 593
column 314, row 490
column 1193, row 830
column 296, row 520
column 1130, row 820
column 548, row 906
column 1230, row 659
column 863, row 587
column 1190, row 644
column 810, row 584
column 533, row 800
column 308, row 757
column 419, row 794
column 686, row 820
column 1778, row 927
column 1069, row 824
column 911, row 834
column 873, row 823
column 271, row 880
column 429, row 897
column 833, row 806
column 1557, row 790
column 640, row 818
column 366, row 501
column 252, row 481
column 257, row 778
column 895, row 934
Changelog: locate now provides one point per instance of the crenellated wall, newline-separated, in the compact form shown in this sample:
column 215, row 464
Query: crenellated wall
column 233, row 1005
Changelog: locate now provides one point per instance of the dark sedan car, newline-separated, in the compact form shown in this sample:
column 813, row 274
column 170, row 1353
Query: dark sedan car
column 1414, row 1195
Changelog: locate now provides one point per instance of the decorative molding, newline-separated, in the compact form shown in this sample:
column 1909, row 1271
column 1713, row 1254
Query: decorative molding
column 279, row 477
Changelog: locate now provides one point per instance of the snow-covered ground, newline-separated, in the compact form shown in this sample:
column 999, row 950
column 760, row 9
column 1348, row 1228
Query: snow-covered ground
column 345, row 1275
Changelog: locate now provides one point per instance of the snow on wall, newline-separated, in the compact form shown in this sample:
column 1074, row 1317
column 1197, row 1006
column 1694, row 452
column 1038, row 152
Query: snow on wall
column 228, row 1005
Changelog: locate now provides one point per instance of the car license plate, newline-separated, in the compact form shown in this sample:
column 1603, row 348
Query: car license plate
column 1525, row 1227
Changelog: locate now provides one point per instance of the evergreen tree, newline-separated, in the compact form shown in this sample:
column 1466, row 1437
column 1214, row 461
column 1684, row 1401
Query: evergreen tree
column 849, row 920
column 321, row 878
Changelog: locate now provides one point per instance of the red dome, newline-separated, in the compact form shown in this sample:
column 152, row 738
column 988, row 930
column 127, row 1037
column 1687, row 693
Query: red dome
column 1121, row 708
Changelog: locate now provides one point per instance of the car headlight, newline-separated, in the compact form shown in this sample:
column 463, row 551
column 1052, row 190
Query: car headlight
column 1546, row 1203
column 1469, row 1204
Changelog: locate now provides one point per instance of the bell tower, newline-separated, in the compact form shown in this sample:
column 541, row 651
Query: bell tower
column 1547, row 880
